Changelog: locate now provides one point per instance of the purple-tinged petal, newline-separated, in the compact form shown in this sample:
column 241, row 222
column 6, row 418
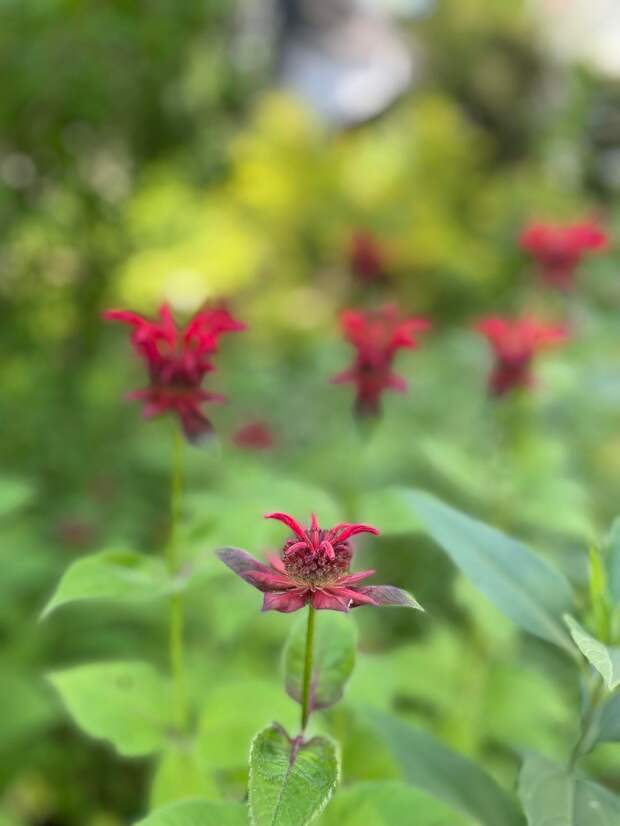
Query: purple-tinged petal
column 354, row 596
column 276, row 563
column 327, row 600
column 289, row 521
column 270, row 582
column 352, row 579
column 242, row 564
column 344, row 531
column 286, row 601
column 389, row 595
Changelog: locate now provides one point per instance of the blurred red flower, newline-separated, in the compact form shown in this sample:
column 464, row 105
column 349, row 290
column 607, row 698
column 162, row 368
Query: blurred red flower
column 515, row 343
column 366, row 257
column 254, row 436
column 177, row 359
column 377, row 335
column 559, row 250
column 313, row 567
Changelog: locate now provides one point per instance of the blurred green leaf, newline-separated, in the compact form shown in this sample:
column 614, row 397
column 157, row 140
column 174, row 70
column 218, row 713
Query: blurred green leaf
column 26, row 707
column 181, row 774
column 613, row 560
column 123, row 702
column 232, row 713
column 116, row 575
column 335, row 643
column 290, row 782
column 518, row 582
column 608, row 730
column 429, row 765
column 387, row 803
column 14, row 494
column 605, row 659
column 198, row 813
column 552, row 795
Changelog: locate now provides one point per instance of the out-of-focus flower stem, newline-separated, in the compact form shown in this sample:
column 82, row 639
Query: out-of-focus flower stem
column 176, row 616
column 305, row 705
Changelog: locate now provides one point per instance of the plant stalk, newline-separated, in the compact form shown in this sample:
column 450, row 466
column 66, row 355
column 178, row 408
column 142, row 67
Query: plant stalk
column 176, row 619
column 305, row 705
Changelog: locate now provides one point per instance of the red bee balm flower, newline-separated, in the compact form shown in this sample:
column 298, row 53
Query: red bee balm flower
column 560, row 249
column 376, row 336
column 366, row 257
column 254, row 436
column 177, row 360
column 515, row 342
column 313, row 568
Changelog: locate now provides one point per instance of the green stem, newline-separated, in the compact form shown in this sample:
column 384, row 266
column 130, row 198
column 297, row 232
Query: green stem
column 176, row 617
column 305, row 705
column 589, row 718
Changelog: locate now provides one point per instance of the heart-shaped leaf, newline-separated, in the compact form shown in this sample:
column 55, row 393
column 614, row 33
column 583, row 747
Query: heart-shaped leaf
column 334, row 658
column 291, row 781
column 524, row 587
column 123, row 702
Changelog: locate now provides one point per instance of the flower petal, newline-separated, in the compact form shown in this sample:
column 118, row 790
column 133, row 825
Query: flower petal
column 389, row 595
column 276, row 563
column 286, row 601
column 354, row 596
column 270, row 582
column 352, row 579
column 345, row 530
column 242, row 564
column 289, row 521
column 327, row 600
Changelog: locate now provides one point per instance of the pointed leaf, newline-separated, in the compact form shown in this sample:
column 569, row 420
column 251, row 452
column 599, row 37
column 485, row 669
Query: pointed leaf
column 123, row 702
column 552, row 796
column 198, row 813
column 335, row 643
column 524, row 587
column 604, row 658
column 429, row 765
column 122, row 576
column 290, row 782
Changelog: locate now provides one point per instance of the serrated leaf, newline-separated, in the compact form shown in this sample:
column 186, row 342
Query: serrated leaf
column 552, row 796
column 117, row 575
column 522, row 585
column 429, row 765
column 198, row 813
column 604, row 658
column 124, row 703
column 290, row 782
column 334, row 658
column 387, row 803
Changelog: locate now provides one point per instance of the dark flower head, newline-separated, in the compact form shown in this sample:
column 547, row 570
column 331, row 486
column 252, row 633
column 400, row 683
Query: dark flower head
column 515, row 343
column 377, row 335
column 313, row 568
column 367, row 258
column 254, row 436
column 559, row 250
column 177, row 360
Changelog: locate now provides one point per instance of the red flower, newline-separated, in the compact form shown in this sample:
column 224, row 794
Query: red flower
column 366, row 257
column 313, row 568
column 177, row 360
column 377, row 336
column 560, row 249
column 515, row 342
column 254, row 436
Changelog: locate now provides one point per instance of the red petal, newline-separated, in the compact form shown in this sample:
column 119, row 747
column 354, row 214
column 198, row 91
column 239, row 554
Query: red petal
column 345, row 530
column 125, row 317
column 329, row 601
column 352, row 579
column 285, row 602
column 354, row 596
column 276, row 563
column 289, row 521
column 270, row 582
column 242, row 564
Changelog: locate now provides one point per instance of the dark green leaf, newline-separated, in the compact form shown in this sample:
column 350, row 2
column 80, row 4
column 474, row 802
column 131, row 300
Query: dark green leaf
column 334, row 658
column 429, row 765
column 123, row 576
column 519, row 583
column 290, row 783
column 123, row 702
column 552, row 796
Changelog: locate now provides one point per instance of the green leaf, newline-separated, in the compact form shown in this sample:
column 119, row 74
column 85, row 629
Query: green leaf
column 609, row 721
column 605, row 659
column 123, row 702
column 181, row 774
column 198, row 813
column 612, row 545
column 387, row 803
column 429, row 765
column 334, row 658
column 290, row 782
column 524, row 587
column 15, row 494
column 552, row 796
column 120, row 576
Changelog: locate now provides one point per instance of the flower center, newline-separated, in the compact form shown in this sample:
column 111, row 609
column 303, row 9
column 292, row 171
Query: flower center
column 311, row 563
